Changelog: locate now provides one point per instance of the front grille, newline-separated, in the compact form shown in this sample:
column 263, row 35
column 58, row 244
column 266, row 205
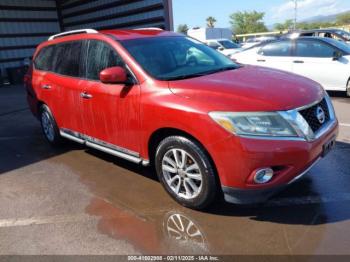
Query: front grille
column 310, row 115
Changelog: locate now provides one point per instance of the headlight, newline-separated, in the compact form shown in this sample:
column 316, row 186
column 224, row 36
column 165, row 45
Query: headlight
column 254, row 124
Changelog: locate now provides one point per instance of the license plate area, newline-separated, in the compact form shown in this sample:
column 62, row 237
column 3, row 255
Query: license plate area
column 328, row 147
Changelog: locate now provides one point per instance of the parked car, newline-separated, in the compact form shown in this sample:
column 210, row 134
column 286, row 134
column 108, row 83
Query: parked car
column 336, row 34
column 209, row 128
column 257, row 40
column 203, row 34
column 324, row 60
column 224, row 46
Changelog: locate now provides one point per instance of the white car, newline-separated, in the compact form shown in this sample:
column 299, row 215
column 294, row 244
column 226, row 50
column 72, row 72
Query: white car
column 257, row 40
column 324, row 60
column 224, row 46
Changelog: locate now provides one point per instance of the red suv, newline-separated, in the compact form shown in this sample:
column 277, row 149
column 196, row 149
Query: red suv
column 208, row 125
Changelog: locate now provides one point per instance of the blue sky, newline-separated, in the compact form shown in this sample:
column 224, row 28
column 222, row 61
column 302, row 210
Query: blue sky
column 194, row 12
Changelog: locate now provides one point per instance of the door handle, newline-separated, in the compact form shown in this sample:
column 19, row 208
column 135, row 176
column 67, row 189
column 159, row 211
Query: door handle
column 85, row 95
column 46, row 87
column 261, row 60
column 298, row 62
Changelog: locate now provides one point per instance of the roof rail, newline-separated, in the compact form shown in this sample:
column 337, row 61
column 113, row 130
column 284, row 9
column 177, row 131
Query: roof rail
column 73, row 32
column 150, row 28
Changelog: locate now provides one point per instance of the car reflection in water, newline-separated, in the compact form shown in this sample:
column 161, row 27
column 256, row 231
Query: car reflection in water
column 173, row 232
column 186, row 232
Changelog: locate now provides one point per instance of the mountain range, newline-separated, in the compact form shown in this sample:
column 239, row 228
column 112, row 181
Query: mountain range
column 323, row 18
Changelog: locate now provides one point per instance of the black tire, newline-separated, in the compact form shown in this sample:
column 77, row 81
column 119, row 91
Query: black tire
column 195, row 154
column 54, row 138
column 348, row 89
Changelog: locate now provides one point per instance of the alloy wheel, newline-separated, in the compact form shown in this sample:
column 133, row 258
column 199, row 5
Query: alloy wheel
column 48, row 126
column 182, row 173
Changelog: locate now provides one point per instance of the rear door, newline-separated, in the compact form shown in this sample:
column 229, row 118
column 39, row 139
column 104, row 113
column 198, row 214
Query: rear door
column 43, row 79
column 111, row 111
column 314, row 59
column 276, row 55
column 68, row 70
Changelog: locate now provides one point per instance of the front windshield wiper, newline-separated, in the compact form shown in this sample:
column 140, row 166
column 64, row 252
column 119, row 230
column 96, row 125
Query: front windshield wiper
column 227, row 68
column 181, row 77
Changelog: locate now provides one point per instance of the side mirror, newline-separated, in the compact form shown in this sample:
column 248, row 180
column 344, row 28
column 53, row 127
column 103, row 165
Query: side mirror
column 114, row 75
column 221, row 48
column 337, row 55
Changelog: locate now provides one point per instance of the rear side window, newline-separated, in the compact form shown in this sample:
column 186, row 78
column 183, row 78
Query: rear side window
column 43, row 60
column 282, row 48
column 100, row 57
column 308, row 48
column 67, row 59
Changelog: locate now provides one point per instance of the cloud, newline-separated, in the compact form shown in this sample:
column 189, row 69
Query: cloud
column 306, row 9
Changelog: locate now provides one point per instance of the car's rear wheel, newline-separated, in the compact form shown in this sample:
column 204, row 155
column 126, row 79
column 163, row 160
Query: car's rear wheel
column 348, row 89
column 49, row 126
column 186, row 172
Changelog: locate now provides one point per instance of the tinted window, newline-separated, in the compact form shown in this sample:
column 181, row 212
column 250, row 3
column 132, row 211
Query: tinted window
column 282, row 48
column 307, row 48
column 43, row 60
column 67, row 59
column 100, row 57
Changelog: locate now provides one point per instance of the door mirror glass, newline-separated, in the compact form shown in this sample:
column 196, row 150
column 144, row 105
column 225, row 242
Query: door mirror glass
column 337, row 55
column 221, row 48
column 114, row 75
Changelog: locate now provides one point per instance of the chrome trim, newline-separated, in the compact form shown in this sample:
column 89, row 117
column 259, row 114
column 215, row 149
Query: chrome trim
column 145, row 162
column 310, row 105
column 72, row 32
column 71, row 137
column 323, row 130
column 305, row 171
column 134, row 159
column 103, row 146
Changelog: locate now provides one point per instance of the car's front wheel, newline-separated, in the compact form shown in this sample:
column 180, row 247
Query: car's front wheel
column 186, row 172
column 49, row 126
column 348, row 89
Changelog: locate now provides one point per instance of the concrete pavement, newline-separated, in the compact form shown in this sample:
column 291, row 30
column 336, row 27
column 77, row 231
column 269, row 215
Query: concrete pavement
column 75, row 200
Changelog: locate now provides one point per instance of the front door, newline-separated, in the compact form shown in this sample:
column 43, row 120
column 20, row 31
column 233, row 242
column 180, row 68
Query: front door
column 314, row 59
column 111, row 111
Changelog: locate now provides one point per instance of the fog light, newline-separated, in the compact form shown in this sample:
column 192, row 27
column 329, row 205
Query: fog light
column 263, row 176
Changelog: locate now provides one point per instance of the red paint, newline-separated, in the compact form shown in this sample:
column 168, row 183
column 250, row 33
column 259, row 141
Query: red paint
column 127, row 116
column 113, row 75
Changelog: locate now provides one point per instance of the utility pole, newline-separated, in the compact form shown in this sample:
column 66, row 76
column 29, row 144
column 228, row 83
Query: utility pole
column 295, row 13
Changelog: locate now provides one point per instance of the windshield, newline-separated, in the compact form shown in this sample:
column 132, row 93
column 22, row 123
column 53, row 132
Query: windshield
column 344, row 34
column 228, row 44
column 172, row 58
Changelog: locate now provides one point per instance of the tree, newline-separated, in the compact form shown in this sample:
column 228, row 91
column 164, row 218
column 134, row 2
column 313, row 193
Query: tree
column 248, row 22
column 288, row 24
column 343, row 19
column 183, row 29
column 211, row 22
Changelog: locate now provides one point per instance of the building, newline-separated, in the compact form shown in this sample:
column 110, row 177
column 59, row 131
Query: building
column 26, row 23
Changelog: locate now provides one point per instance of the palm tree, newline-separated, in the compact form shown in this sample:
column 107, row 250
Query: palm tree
column 211, row 22
column 183, row 28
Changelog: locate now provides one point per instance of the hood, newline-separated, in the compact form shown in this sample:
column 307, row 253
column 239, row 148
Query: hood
column 248, row 88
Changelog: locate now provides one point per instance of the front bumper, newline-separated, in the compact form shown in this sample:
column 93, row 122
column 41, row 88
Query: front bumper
column 254, row 196
column 235, row 168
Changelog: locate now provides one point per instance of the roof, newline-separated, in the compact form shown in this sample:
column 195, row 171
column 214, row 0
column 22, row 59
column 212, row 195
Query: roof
column 138, row 33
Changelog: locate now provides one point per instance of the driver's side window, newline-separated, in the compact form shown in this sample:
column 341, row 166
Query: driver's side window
column 100, row 56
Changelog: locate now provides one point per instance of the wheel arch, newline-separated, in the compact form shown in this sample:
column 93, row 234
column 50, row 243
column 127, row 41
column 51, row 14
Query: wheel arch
column 162, row 133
